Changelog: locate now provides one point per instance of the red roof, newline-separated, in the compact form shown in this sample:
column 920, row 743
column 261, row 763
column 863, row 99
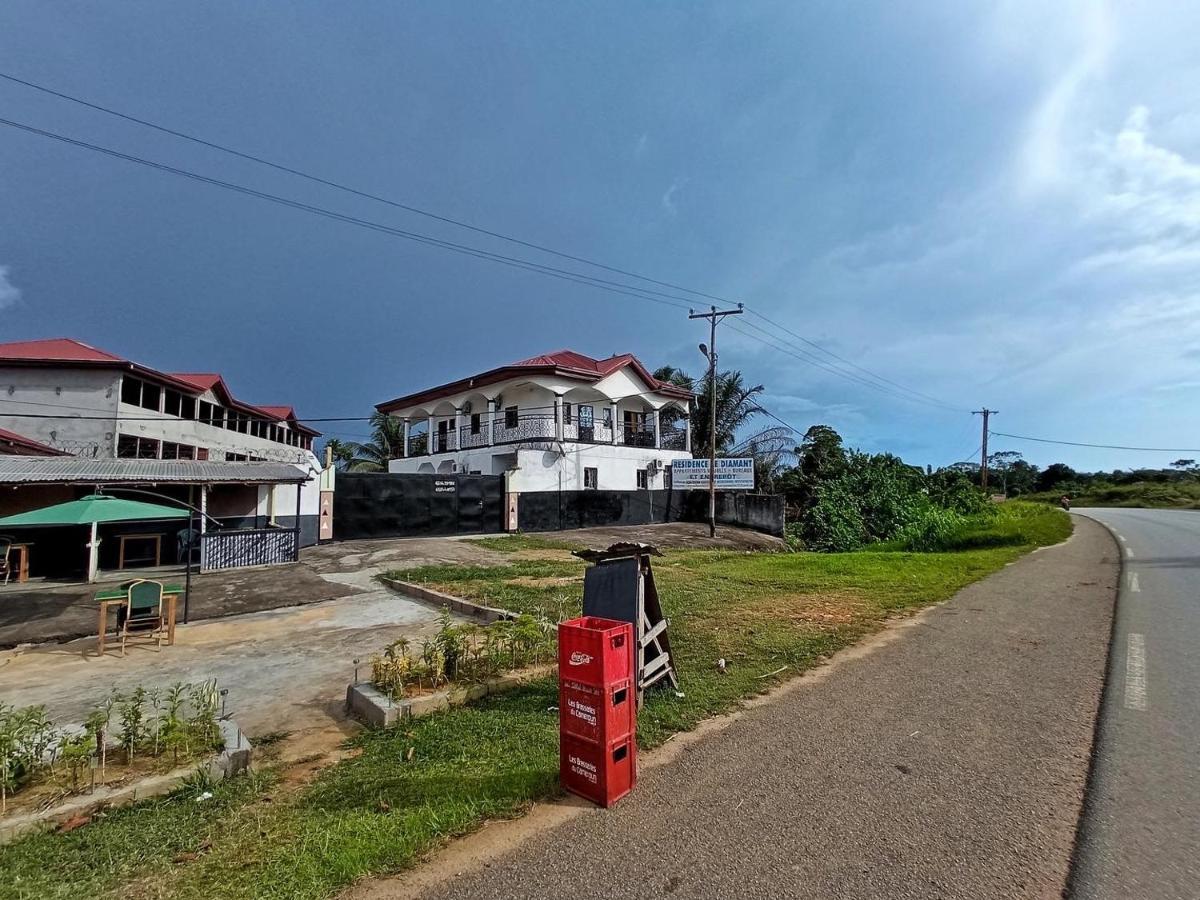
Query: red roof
column 560, row 362
column 71, row 351
column 57, row 349
column 18, row 444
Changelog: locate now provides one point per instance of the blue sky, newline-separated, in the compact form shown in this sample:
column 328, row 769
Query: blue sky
column 993, row 203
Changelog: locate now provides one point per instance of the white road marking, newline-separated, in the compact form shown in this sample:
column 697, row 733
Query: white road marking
column 1135, row 673
column 1133, row 583
column 1128, row 553
column 1121, row 538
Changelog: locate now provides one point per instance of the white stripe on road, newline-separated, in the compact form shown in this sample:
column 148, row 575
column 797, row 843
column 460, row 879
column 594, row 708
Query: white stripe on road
column 1133, row 583
column 1121, row 538
column 1128, row 553
column 1135, row 673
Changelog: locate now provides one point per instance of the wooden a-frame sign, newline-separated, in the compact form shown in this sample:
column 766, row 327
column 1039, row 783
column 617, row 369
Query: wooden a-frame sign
column 620, row 585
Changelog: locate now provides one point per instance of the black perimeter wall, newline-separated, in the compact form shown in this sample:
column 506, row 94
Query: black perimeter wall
column 558, row 510
column 376, row 505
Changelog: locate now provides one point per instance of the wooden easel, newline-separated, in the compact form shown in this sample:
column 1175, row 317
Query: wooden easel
column 620, row 585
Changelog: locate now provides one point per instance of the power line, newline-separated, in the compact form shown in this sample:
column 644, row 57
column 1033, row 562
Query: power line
column 1022, row 437
column 359, row 193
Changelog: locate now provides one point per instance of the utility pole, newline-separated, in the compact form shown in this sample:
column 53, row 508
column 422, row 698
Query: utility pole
column 983, row 464
column 714, row 315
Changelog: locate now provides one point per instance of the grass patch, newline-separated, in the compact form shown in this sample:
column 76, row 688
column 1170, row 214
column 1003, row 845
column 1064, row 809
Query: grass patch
column 438, row 777
column 1140, row 494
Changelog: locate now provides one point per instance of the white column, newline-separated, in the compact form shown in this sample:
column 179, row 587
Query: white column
column 558, row 418
column 687, row 432
column 613, row 415
column 404, row 431
column 657, row 433
column 203, row 508
column 429, row 445
column 456, row 441
column 491, row 423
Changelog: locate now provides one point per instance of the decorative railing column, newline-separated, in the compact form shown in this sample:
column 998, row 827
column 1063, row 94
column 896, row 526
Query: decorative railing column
column 612, row 411
column 558, row 417
column 657, row 430
column 404, row 449
column 491, row 423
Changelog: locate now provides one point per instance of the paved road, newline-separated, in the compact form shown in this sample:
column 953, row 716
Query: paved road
column 1141, row 831
column 949, row 762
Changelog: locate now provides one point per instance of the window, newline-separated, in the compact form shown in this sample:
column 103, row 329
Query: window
column 131, row 391
column 206, row 412
column 127, row 445
column 236, row 457
column 147, row 448
column 474, row 423
column 591, row 478
column 201, row 454
column 187, row 407
column 566, row 413
column 243, row 424
column 608, row 417
column 170, row 450
column 187, row 451
column 150, row 396
column 171, row 402
column 643, row 481
column 230, row 419
column 510, row 417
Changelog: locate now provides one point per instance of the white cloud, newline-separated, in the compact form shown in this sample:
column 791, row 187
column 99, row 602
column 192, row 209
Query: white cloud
column 668, row 198
column 9, row 292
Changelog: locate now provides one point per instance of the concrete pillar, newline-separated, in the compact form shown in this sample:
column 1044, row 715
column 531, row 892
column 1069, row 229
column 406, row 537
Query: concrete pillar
column 203, row 508
column 657, row 432
column 404, row 431
column 687, row 432
column 429, row 441
column 456, row 441
column 613, row 415
column 558, row 417
column 491, row 423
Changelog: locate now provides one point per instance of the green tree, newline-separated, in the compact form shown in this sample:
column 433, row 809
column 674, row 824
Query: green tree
column 1056, row 476
column 342, row 452
column 737, row 405
column 820, row 457
column 387, row 443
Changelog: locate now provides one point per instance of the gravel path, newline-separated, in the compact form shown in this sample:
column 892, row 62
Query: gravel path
column 948, row 762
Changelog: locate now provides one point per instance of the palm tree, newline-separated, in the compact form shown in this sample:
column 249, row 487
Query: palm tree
column 341, row 451
column 736, row 405
column 387, row 443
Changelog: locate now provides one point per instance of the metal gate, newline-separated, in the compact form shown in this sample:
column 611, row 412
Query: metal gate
column 378, row 505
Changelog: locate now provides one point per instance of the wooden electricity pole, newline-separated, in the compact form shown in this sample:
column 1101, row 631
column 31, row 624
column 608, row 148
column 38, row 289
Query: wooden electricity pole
column 983, row 456
column 714, row 315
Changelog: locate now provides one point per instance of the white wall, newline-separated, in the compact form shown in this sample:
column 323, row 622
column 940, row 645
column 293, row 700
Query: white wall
column 67, row 394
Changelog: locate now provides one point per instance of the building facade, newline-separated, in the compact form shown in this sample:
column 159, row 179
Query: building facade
column 562, row 421
column 78, row 399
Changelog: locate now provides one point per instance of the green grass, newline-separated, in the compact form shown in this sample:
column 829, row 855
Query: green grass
column 1141, row 494
column 511, row 543
column 379, row 811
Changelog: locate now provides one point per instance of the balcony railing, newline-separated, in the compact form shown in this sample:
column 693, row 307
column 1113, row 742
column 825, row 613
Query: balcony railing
column 543, row 428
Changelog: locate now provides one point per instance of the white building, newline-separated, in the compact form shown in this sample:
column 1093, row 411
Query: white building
column 74, row 397
column 562, row 421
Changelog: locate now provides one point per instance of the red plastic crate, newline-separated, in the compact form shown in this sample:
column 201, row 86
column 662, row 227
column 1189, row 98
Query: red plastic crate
column 602, row 773
column 595, row 651
column 599, row 714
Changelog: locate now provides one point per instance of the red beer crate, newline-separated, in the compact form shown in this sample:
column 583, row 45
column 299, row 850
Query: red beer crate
column 599, row 714
column 595, row 651
column 602, row 773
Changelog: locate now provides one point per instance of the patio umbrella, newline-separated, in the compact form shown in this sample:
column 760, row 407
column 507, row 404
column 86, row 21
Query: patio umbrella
column 92, row 510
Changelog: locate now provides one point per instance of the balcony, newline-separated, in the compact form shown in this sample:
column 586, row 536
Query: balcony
column 542, row 428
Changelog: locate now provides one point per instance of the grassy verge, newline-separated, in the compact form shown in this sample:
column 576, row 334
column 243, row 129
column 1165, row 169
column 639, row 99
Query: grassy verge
column 410, row 787
column 1141, row 494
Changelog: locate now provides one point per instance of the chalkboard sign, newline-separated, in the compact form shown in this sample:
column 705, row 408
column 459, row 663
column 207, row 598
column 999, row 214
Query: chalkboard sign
column 611, row 591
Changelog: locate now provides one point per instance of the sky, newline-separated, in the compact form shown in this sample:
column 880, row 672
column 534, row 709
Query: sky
column 988, row 204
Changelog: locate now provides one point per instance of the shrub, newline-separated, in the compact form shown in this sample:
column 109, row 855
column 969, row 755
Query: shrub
column 934, row 530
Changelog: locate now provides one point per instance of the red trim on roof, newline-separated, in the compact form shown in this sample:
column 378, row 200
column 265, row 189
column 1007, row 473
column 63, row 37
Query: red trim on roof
column 53, row 351
column 563, row 363
column 19, row 445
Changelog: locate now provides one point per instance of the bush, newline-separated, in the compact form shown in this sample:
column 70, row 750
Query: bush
column 935, row 530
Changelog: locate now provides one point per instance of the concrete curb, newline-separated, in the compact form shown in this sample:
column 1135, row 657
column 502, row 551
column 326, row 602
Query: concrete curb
column 487, row 614
column 379, row 710
column 233, row 760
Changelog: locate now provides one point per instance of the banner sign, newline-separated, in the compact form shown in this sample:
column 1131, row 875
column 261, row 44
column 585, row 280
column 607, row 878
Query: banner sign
column 732, row 474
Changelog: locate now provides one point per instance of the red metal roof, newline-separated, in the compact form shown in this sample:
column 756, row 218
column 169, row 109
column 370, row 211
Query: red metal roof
column 71, row 351
column 18, row 444
column 57, row 349
column 560, row 362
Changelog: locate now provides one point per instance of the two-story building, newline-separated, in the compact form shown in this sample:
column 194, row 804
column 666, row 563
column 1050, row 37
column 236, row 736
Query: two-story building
column 561, row 421
column 62, row 394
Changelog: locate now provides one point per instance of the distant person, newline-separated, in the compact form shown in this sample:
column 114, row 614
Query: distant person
column 1065, row 502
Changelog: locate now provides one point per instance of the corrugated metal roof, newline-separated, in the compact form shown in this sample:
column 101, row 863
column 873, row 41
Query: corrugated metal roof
column 76, row 470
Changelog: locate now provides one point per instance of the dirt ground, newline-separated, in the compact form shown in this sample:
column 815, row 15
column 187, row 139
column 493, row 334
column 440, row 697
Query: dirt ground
column 42, row 612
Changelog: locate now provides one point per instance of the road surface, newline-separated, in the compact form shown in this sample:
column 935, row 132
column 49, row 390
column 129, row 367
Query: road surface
column 950, row 761
column 1140, row 836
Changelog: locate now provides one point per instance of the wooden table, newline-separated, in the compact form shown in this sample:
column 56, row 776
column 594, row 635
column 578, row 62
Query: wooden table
column 155, row 538
column 22, row 570
column 119, row 597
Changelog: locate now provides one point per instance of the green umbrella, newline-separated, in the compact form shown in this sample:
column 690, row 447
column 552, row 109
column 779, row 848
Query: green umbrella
column 89, row 511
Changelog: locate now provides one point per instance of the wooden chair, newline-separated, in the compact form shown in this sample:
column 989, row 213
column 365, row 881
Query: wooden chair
column 143, row 611
column 5, row 566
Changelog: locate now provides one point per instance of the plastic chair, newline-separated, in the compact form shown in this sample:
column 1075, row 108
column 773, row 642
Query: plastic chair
column 5, row 566
column 143, row 611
